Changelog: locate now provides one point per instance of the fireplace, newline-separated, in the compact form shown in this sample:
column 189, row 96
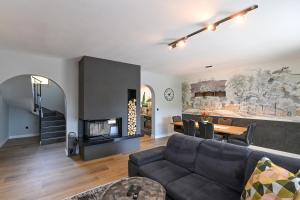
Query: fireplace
column 108, row 89
column 105, row 128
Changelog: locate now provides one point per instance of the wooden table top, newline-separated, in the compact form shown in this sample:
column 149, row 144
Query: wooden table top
column 225, row 129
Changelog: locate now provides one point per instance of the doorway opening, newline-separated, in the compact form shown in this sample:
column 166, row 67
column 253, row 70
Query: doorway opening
column 32, row 106
column 148, row 111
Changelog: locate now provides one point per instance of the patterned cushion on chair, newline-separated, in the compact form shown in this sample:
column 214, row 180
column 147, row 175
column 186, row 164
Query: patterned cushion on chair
column 271, row 182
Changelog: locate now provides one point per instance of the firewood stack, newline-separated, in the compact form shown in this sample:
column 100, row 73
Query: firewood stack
column 132, row 117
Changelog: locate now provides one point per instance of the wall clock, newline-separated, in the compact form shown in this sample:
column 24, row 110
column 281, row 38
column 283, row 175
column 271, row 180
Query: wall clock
column 169, row 94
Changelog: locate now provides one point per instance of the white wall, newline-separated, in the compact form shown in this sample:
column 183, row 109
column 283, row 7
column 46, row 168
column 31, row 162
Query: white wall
column 18, row 92
column 63, row 72
column 166, row 109
column 3, row 121
column 19, row 119
column 53, row 97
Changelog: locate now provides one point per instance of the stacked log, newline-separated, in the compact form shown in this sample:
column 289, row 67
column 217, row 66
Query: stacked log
column 132, row 117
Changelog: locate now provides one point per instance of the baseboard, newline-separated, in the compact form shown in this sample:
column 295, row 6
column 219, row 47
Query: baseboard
column 3, row 142
column 23, row 136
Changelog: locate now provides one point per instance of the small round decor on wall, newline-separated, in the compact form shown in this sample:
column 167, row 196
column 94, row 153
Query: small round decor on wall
column 169, row 94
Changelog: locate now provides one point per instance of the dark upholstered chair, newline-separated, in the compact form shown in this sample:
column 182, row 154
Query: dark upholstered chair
column 246, row 139
column 176, row 119
column 192, row 128
column 208, row 119
column 185, row 127
column 225, row 121
column 177, row 128
column 189, row 127
column 206, row 131
column 202, row 130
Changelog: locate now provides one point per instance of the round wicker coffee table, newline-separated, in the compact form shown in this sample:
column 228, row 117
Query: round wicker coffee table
column 149, row 189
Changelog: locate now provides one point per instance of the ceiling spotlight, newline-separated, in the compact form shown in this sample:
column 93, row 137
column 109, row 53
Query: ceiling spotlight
column 239, row 19
column 181, row 43
column 211, row 27
column 172, row 47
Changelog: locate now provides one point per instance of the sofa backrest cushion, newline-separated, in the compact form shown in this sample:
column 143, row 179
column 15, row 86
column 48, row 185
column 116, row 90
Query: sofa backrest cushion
column 291, row 164
column 182, row 150
column 222, row 163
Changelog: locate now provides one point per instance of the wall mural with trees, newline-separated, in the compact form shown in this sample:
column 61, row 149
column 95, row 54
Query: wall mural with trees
column 266, row 94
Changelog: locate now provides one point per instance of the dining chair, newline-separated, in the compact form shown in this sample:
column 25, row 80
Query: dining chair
column 225, row 121
column 208, row 119
column 192, row 128
column 177, row 128
column 246, row 139
column 176, row 118
column 185, row 127
column 206, row 131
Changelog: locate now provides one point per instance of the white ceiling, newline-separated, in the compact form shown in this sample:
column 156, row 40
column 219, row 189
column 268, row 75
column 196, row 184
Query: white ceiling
column 135, row 31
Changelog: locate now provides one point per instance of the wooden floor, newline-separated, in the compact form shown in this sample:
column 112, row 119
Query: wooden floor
column 31, row 171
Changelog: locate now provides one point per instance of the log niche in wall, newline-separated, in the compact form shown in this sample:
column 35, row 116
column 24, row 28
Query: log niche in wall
column 132, row 112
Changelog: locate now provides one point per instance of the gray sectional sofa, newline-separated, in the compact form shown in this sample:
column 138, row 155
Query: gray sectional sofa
column 195, row 169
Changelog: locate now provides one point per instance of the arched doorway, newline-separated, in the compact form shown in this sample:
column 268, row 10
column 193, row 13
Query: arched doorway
column 32, row 106
column 148, row 110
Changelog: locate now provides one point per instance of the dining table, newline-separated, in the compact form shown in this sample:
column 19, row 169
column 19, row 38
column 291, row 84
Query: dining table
column 225, row 130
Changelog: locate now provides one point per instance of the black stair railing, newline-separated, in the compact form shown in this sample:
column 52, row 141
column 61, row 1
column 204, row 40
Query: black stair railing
column 37, row 99
column 37, row 93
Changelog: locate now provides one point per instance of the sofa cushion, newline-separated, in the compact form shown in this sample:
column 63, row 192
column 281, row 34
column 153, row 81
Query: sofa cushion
column 163, row 171
column 195, row 187
column 270, row 181
column 223, row 163
column 147, row 156
column 291, row 164
column 182, row 150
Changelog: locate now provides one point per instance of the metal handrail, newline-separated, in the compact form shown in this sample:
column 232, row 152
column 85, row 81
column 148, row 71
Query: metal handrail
column 37, row 93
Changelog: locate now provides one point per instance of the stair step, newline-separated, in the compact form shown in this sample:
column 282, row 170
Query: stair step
column 53, row 134
column 53, row 123
column 53, row 118
column 53, row 128
column 49, row 114
column 53, row 140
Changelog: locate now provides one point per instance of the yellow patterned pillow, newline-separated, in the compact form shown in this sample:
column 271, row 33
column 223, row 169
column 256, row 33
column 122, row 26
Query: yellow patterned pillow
column 271, row 182
column 298, row 194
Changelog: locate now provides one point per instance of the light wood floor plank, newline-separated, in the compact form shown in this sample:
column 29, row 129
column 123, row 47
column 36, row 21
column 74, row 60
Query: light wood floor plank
column 30, row 171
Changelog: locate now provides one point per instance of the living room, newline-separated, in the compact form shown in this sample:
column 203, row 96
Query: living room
column 157, row 100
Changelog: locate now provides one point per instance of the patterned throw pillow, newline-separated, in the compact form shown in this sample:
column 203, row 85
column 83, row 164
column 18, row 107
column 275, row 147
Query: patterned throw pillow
column 271, row 182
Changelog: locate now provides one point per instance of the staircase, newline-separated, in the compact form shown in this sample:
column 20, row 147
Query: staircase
column 53, row 128
column 52, row 123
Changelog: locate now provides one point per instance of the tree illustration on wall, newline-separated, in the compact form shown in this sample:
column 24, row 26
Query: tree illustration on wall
column 186, row 95
column 266, row 90
column 263, row 93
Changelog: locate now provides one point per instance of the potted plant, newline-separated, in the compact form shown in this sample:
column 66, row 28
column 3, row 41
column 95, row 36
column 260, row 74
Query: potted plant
column 204, row 117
